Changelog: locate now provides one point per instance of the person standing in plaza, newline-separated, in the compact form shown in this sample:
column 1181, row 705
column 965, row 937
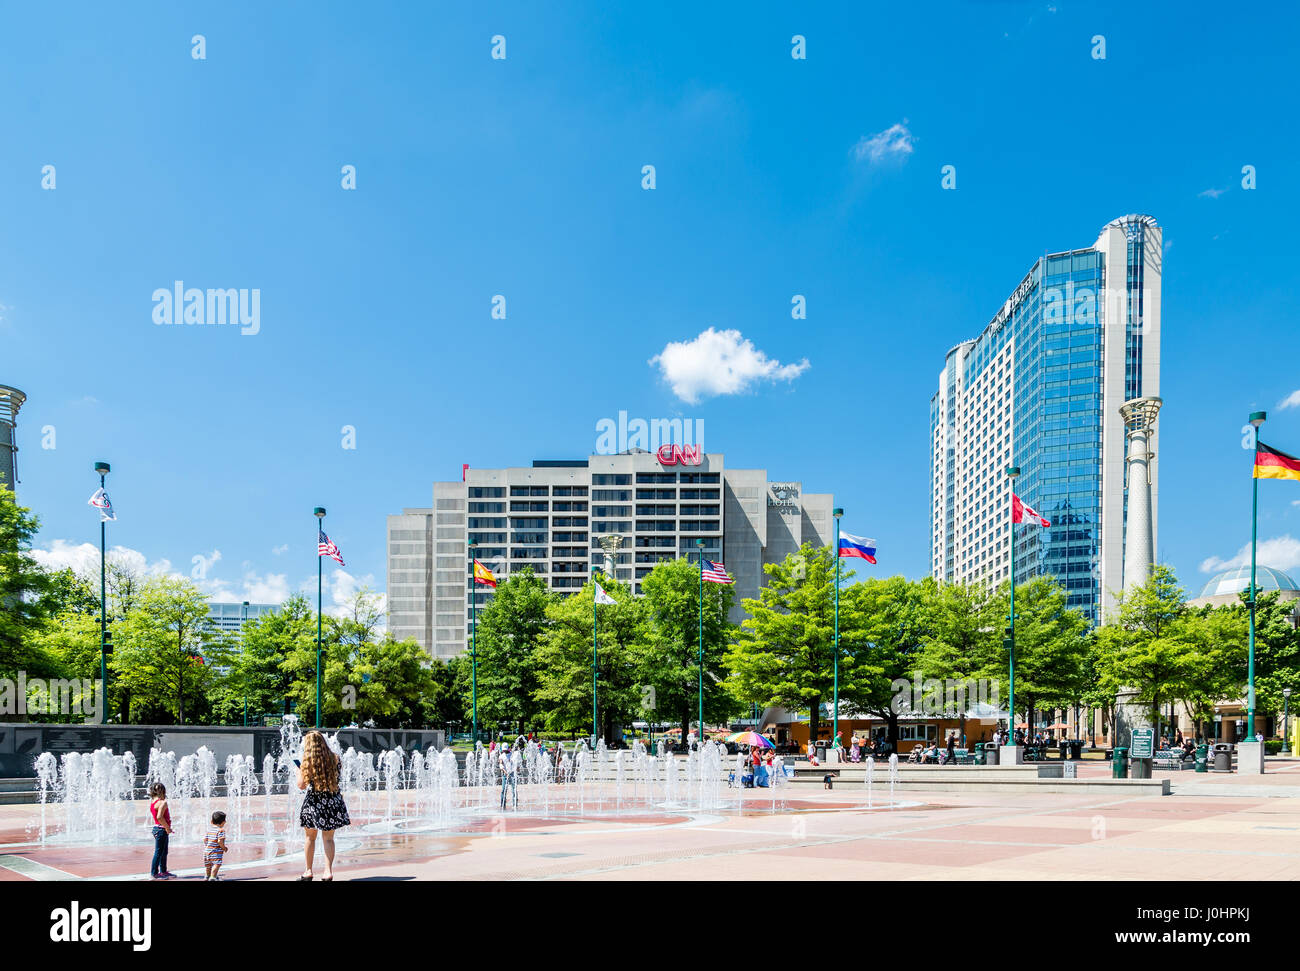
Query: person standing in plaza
column 214, row 847
column 161, row 814
column 508, row 777
column 323, row 808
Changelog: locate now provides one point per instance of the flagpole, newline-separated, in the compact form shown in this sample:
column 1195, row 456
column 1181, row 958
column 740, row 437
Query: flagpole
column 319, row 513
column 1012, row 472
column 1257, row 418
column 835, row 708
column 473, row 651
column 700, row 545
column 595, row 676
column 103, row 469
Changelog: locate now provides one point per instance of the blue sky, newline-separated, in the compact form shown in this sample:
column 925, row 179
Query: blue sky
column 523, row 177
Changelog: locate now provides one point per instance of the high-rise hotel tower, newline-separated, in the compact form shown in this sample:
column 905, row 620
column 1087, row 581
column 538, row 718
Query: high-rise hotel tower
column 1041, row 388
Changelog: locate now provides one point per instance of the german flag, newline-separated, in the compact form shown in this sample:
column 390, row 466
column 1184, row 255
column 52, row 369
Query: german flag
column 484, row 576
column 1273, row 464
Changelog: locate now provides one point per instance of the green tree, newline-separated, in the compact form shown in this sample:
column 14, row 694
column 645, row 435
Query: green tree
column 672, row 663
column 1051, row 649
column 28, row 594
column 964, row 628
column 565, row 677
column 443, row 705
column 257, row 670
column 1215, row 639
column 72, row 592
column 784, row 651
column 889, row 624
column 159, row 656
column 1164, row 653
column 1277, row 648
column 393, row 684
column 510, row 632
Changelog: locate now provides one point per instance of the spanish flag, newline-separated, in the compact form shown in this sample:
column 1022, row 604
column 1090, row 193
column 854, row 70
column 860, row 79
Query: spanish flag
column 484, row 576
column 1272, row 464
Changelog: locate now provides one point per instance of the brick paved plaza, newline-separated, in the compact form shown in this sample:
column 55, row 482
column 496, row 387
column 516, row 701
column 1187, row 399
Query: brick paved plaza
column 1211, row 827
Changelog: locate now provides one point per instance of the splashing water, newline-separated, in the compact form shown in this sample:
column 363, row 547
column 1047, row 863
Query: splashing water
column 96, row 796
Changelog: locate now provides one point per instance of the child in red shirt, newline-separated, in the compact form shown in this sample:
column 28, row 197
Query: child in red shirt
column 162, row 828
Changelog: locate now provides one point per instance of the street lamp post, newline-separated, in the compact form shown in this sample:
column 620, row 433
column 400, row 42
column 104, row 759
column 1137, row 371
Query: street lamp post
column 699, row 544
column 835, row 702
column 1286, row 716
column 242, row 624
column 319, row 513
column 1013, row 471
column 102, row 469
column 1257, row 418
column 473, row 651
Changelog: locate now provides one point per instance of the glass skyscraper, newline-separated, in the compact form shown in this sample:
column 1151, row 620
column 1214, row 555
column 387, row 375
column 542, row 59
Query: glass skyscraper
column 1041, row 388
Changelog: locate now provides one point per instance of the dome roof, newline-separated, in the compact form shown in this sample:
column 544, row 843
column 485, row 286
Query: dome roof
column 1238, row 579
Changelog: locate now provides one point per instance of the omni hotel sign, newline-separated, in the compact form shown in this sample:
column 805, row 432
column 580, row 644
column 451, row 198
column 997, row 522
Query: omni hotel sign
column 784, row 496
column 1008, row 308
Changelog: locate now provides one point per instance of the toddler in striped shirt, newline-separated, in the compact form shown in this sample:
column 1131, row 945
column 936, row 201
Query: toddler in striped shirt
column 214, row 846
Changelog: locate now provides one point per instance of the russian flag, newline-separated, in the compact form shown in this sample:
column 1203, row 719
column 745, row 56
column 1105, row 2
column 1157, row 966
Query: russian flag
column 851, row 545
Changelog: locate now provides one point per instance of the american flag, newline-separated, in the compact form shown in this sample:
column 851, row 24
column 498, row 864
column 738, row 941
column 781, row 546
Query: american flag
column 325, row 547
column 716, row 573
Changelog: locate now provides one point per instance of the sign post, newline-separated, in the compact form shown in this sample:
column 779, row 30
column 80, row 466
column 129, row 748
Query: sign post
column 1142, row 750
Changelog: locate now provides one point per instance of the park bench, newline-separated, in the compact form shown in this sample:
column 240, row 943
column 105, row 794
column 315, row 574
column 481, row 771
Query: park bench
column 1171, row 759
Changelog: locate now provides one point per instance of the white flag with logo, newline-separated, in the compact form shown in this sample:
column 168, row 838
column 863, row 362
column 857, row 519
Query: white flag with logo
column 100, row 501
column 602, row 597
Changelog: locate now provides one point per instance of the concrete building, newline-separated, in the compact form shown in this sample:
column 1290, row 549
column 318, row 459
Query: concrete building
column 229, row 617
column 622, row 513
column 1042, row 388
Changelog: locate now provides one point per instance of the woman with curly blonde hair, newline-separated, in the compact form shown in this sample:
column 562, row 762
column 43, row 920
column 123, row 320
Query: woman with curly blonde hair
column 323, row 809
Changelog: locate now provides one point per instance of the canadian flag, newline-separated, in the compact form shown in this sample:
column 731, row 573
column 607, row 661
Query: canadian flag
column 1022, row 512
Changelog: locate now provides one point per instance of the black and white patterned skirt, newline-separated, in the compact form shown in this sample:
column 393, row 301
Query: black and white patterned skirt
column 323, row 810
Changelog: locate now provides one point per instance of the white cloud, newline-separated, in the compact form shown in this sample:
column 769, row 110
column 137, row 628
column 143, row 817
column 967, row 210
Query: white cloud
column 84, row 558
column 272, row 588
column 895, row 142
column 1290, row 401
column 340, row 587
column 277, row 550
column 1210, row 193
column 719, row 362
column 1280, row 552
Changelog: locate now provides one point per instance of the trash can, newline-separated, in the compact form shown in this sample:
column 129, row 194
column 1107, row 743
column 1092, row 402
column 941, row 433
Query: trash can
column 1202, row 754
column 979, row 753
column 1223, row 756
column 1076, row 748
column 821, row 752
column 1119, row 763
column 990, row 754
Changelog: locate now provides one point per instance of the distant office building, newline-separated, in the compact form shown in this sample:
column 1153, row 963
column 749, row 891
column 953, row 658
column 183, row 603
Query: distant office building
column 1041, row 388
column 622, row 513
column 229, row 617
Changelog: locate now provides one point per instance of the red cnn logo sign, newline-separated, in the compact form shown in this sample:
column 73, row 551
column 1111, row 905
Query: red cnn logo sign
column 679, row 455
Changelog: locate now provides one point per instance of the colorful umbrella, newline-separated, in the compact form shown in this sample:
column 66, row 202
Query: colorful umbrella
column 750, row 738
